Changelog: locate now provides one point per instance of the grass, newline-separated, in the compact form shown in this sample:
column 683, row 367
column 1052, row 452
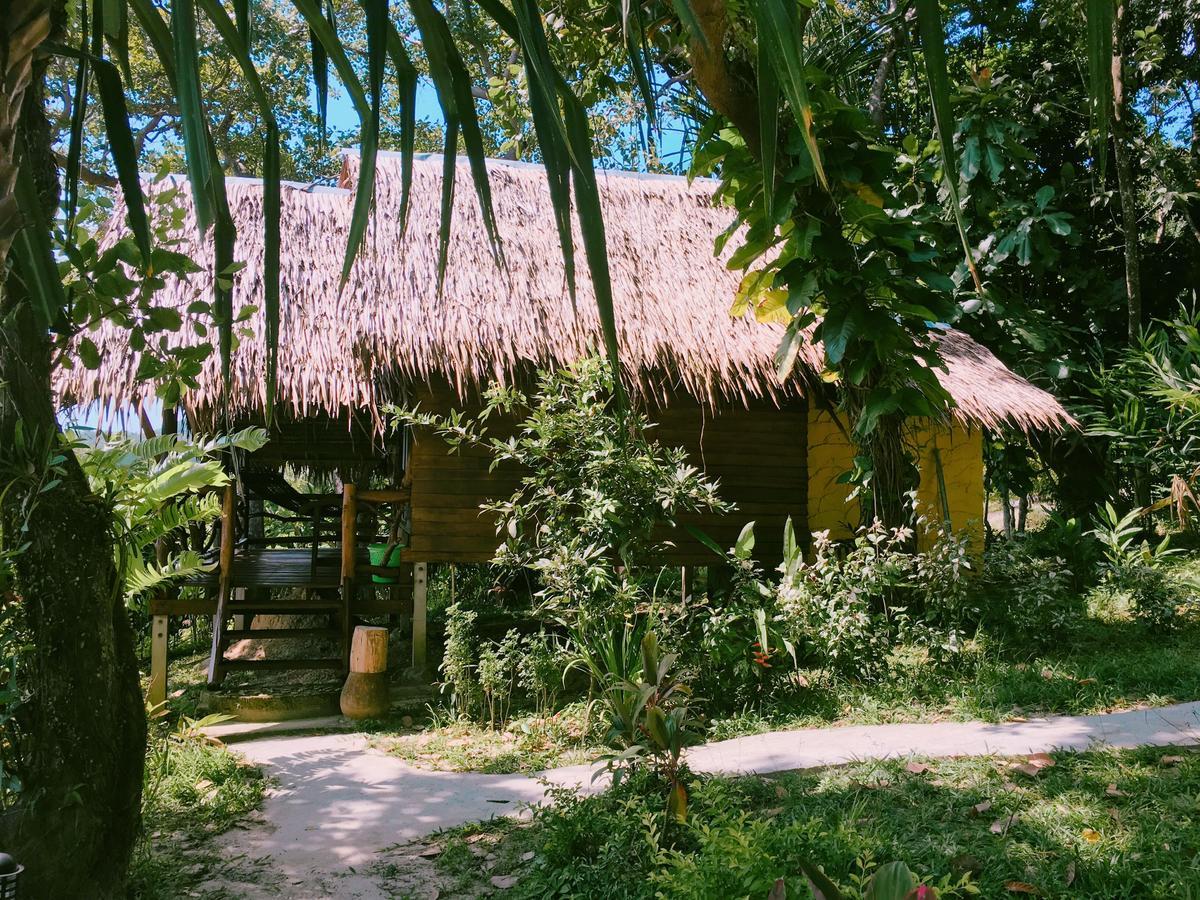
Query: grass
column 193, row 792
column 1093, row 825
column 1112, row 664
column 529, row 743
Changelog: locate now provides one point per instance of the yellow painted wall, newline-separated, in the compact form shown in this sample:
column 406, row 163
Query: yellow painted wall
column 830, row 453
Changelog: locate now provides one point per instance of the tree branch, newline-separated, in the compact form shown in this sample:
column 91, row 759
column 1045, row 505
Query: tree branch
column 726, row 93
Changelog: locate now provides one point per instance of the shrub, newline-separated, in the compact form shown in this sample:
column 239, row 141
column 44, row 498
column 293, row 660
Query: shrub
column 594, row 490
column 1030, row 599
column 1133, row 567
column 458, row 660
column 851, row 604
column 540, row 670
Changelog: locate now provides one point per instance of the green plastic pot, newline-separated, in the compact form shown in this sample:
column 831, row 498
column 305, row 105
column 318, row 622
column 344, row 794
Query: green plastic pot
column 377, row 552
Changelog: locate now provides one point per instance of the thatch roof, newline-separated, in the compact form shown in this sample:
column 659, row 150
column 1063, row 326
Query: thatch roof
column 354, row 351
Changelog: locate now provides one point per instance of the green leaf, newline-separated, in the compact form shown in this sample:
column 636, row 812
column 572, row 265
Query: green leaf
column 89, row 355
column 364, row 189
column 891, row 881
column 406, row 88
column 744, row 546
column 784, row 29
column 34, row 255
column 768, row 123
column 191, row 111
column 933, row 46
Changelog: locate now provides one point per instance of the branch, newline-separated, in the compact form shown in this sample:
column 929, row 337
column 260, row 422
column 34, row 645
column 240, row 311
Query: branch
column 89, row 176
column 725, row 93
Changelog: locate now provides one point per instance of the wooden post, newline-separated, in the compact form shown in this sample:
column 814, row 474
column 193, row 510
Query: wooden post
column 368, row 650
column 420, row 586
column 349, row 559
column 216, row 672
column 685, row 579
column 159, row 632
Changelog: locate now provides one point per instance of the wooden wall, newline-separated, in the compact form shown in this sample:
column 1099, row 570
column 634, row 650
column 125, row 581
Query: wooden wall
column 758, row 455
column 961, row 453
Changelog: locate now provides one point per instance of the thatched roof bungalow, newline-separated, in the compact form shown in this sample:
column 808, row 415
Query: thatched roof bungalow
column 390, row 337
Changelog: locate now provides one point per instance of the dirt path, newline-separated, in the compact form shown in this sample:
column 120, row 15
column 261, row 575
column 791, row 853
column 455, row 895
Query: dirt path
column 349, row 821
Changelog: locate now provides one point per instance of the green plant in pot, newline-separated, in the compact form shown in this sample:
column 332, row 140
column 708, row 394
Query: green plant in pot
column 388, row 554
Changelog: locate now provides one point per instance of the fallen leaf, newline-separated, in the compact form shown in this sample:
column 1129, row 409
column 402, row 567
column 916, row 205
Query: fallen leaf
column 431, row 851
column 1086, row 681
column 527, row 856
column 1113, row 791
column 917, row 768
column 1047, row 674
column 980, row 808
column 1026, row 769
column 1170, row 760
column 1092, row 836
column 773, row 812
column 1042, row 760
column 503, row 882
column 1021, row 887
column 1070, row 873
column 1001, row 826
column 1114, row 814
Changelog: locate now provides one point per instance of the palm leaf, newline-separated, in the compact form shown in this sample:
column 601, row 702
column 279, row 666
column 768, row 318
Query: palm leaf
column 406, row 86
column 364, row 190
column 74, row 168
column 778, row 22
column 191, row 110
column 34, row 256
column 933, row 45
column 768, row 122
column 452, row 82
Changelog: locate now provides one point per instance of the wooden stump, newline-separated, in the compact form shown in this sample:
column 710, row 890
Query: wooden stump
column 368, row 650
column 365, row 694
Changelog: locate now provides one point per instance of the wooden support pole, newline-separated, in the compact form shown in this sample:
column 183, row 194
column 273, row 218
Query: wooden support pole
column 420, row 588
column 216, row 671
column 349, row 560
column 685, row 582
column 159, row 632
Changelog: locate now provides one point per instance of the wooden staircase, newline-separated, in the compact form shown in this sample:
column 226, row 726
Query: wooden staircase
column 324, row 579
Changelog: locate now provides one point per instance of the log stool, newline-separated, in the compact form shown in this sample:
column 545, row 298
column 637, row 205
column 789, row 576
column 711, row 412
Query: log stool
column 365, row 694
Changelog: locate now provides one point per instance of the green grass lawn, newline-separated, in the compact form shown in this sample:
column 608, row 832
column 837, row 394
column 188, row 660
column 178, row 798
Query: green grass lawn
column 1106, row 824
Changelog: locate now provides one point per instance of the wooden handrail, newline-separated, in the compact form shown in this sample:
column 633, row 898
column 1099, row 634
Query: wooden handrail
column 349, row 529
column 395, row 495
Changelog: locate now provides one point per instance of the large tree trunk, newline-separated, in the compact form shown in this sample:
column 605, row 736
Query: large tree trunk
column 83, row 726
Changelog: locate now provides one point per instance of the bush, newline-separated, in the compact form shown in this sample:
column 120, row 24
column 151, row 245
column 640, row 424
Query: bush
column 595, row 489
column 1031, row 599
column 852, row 604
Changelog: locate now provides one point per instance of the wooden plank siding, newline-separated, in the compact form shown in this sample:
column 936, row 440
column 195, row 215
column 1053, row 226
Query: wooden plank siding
column 759, row 455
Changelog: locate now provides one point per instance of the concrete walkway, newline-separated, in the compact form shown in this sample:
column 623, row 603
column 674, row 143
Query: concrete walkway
column 340, row 803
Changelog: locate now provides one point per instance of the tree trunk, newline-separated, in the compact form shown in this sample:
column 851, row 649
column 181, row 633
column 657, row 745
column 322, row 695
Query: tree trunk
column 893, row 474
column 1127, row 192
column 83, row 727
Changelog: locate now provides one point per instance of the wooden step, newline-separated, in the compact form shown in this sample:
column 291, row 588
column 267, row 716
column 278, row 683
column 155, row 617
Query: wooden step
column 277, row 665
column 238, row 634
column 286, row 608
